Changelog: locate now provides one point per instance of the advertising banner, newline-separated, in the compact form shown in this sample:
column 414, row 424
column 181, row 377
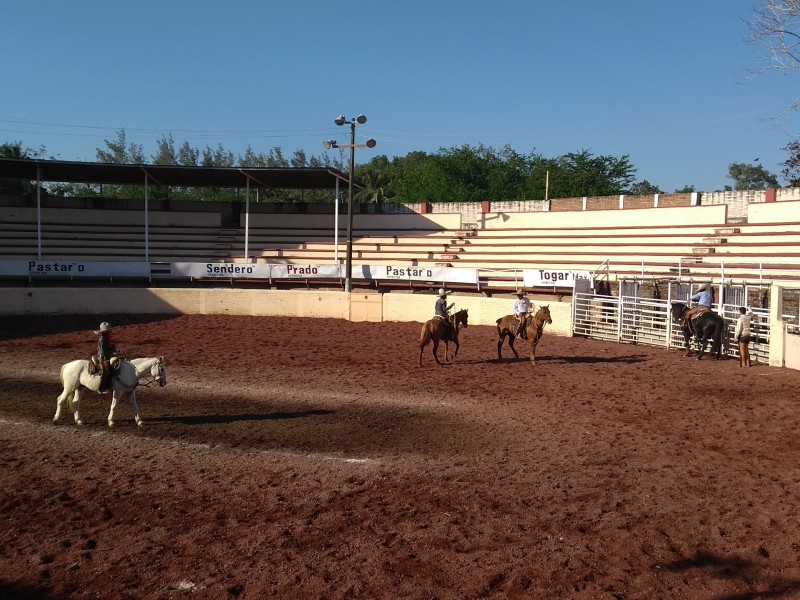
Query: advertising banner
column 552, row 278
column 306, row 271
column 220, row 270
column 73, row 268
column 436, row 274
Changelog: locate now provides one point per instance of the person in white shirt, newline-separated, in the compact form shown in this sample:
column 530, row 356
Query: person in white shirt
column 522, row 306
column 742, row 336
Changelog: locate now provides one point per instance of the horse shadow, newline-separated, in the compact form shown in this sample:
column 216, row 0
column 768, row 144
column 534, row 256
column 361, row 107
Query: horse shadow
column 729, row 567
column 577, row 360
column 223, row 419
column 573, row 360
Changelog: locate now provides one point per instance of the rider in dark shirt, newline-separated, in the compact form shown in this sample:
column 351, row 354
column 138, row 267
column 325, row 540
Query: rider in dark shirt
column 105, row 351
column 443, row 312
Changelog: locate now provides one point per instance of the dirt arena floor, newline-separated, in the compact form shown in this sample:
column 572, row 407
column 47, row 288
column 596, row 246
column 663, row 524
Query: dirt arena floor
column 299, row 458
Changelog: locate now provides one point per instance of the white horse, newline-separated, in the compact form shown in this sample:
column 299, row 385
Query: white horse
column 75, row 378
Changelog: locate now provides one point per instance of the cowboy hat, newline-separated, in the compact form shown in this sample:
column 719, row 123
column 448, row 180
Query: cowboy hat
column 104, row 326
column 520, row 291
column 443, row 292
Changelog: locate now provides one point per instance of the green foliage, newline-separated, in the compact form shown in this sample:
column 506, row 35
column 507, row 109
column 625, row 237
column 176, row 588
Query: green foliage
column 791, row 170
column 458, row 174
column 751, row 177
column 643, row 188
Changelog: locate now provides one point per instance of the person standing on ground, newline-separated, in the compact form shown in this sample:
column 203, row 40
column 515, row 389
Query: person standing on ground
column 742, row 336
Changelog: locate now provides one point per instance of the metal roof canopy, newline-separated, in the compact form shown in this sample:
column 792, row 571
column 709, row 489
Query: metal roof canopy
column 168, row 175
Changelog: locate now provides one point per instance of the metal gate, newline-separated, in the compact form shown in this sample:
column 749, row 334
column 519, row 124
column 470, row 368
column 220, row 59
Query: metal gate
column 632, row 320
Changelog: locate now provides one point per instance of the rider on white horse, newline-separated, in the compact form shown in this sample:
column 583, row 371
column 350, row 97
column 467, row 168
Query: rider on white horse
column 105, row 351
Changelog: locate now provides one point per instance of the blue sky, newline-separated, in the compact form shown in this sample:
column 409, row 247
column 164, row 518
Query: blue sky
column 667, row 83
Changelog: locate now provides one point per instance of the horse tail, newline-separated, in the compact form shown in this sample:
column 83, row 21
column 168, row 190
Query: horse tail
column 64, row 386
column 424, row 335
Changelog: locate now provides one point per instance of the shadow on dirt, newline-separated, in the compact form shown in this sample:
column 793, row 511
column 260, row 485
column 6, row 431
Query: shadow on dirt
column 28, row 326
column 732, row 567
column 573, row 360
column 221, row 419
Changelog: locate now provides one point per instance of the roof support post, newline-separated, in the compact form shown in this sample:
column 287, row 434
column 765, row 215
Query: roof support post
column 146, row 219
column 336, row 227
column 39, row 212
column 247, row 222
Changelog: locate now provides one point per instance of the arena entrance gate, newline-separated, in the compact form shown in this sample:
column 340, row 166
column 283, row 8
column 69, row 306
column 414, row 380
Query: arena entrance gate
column 631, row 319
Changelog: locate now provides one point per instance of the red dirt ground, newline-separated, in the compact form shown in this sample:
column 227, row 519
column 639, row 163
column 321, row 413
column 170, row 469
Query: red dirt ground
column 298, row 458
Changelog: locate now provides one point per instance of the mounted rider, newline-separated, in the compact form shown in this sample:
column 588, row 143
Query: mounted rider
column 705, row 300
column 522, row 306
column 442, row 311
column 106, row 350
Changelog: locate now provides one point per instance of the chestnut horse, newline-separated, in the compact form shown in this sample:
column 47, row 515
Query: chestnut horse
column 434, row 330
column 534, row 324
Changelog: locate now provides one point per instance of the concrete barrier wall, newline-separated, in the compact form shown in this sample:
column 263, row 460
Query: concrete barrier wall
column 651, row 217
column 277, row 303
column 482, row 311
column 103, row 301
column 774, row 212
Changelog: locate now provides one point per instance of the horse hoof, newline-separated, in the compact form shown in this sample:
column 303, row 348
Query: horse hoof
column 79, row 423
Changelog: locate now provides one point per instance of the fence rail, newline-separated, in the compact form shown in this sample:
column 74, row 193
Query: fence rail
column 633, row 320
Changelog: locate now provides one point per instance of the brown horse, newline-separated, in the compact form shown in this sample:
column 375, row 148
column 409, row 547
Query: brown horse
column 434, row 330
column 534, row 324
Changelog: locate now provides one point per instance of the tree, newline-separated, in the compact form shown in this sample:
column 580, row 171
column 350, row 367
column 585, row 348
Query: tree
column 751, row 177
column 777, row 26
column 118, row 153
column 166, row 154
column 644, row 188
column 581, row 174
column 687, row 189
column 791, row 166
column 376, row 176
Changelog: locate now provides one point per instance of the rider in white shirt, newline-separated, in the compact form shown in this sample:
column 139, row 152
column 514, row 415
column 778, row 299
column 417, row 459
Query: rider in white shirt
column 522, row 306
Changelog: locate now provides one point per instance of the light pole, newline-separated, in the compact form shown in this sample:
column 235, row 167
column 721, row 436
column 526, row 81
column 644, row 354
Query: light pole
column 327, row 144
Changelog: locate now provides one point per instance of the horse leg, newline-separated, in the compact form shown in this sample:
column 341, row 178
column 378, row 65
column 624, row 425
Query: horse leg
column 113, row 407
column 702, row 344
column 511, row 337
column 135, row 408
column 455, row 341
column 76, row 403
column 63, row 398
column 686, row 338
column 533, row 353
column 435, row 350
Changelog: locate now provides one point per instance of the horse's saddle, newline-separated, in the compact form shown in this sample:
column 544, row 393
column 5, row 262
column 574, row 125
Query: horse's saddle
column 95, row 366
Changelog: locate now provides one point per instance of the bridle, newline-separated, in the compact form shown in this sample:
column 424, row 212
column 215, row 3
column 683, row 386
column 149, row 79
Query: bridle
column 157, row 378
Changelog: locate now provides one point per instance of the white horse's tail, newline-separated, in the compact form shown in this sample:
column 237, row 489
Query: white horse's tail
column 63, row 385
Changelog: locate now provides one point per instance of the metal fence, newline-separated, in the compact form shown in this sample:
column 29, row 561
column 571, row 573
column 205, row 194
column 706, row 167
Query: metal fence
column 634, row 320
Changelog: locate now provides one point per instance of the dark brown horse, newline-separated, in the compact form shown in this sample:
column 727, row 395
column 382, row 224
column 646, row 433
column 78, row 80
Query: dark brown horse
column 533, row 324
column 706, row 326
column 434, row 330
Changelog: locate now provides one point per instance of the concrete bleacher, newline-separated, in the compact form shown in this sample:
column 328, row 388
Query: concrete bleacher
column 79, row 234
column 687, row 242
